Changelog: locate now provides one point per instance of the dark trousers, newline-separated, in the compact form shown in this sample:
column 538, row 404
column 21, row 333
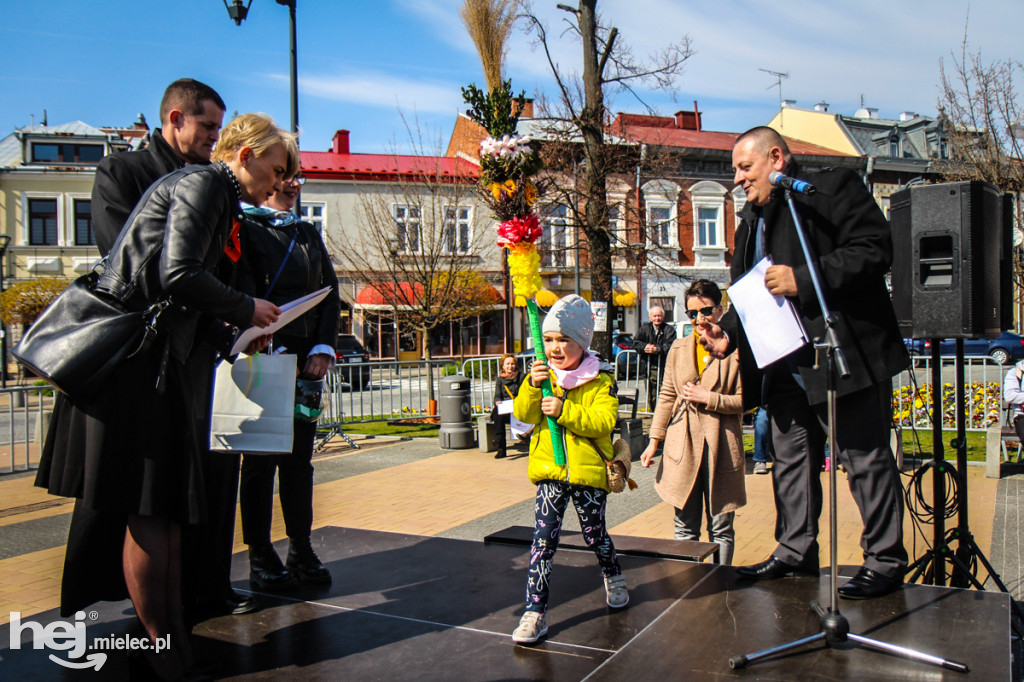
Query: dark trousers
column 863, row 424
column 295, row 487
column 500, row 420
column 207, row 547
column 552, row 500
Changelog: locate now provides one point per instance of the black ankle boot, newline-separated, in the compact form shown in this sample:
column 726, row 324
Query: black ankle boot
column 304, row 563
column 266, row 572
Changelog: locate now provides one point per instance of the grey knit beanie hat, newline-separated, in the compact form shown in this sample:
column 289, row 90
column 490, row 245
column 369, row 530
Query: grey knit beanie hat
column 571, row 316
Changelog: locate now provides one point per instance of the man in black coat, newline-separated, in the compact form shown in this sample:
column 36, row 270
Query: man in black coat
column 652, row 343
column 191, row 114
column 851, row 242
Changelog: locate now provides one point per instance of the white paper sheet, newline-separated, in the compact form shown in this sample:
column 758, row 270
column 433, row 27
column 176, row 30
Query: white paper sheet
column 770, row 322
column 289, row 312
column 505, row 406
column 519, row 428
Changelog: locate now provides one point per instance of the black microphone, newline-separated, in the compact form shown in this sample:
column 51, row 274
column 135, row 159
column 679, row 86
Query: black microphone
column 786, row 182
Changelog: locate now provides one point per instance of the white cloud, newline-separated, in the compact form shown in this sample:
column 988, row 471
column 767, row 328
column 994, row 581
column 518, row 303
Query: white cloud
column 377, row 89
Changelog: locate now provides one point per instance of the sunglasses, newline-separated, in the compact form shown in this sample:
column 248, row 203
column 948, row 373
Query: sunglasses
column 706, row 312
column 299, row 180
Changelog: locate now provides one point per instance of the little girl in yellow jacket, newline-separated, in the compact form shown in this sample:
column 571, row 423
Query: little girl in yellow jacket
column 586, row 408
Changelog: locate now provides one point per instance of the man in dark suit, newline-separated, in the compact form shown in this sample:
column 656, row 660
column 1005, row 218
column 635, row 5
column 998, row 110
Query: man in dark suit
column 852, row 244
column 191, row 114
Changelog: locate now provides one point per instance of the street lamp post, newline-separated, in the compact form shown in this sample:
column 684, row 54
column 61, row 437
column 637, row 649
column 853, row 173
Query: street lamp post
column 5, row 239
column 638, row 250
column 238, row 10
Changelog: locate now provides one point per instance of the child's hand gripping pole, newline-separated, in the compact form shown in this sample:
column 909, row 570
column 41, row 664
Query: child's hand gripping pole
column 538, row 346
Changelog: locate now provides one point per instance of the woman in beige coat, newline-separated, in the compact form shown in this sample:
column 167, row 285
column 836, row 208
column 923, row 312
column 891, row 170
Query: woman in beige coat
column 699, row 418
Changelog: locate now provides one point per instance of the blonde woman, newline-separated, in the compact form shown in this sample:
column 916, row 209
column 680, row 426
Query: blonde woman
column 134, row 450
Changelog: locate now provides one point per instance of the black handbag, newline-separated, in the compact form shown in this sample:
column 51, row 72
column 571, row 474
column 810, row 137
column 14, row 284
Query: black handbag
column 83, row 335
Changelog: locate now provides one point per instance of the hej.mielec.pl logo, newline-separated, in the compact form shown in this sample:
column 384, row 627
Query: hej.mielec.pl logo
column 71, row 637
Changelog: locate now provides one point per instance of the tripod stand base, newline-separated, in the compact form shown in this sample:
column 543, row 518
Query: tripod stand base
column 835, row 629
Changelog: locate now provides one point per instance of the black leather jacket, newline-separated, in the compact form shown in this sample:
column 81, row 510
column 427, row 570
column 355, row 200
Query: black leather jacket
column 308, row 269
column 170, row 247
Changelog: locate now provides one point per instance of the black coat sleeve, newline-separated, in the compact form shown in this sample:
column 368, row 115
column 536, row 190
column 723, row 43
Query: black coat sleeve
column 114, row 195
column 196, row 212
column 330, row 308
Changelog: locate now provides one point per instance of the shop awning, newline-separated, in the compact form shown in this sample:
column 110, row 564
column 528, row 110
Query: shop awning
column 387, row 295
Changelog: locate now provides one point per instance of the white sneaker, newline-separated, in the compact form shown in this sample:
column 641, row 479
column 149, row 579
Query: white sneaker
column 532, row 626
column 760, row 468
column 616, row 593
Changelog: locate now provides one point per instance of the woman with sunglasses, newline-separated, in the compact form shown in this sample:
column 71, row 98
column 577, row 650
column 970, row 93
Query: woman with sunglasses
column 698, row 416
column 284, row 258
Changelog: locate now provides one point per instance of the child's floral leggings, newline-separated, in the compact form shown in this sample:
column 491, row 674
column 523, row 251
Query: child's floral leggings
column 552, row 500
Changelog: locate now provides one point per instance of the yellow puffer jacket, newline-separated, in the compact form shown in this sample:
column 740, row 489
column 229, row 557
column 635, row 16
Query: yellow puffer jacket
column 588, row 416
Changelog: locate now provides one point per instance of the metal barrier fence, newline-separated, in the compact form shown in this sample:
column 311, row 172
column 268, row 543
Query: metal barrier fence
column 983, row 383
column 24, row 415
column 394, row 390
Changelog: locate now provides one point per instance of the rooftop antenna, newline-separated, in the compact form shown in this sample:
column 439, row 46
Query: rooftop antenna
column 779, row 75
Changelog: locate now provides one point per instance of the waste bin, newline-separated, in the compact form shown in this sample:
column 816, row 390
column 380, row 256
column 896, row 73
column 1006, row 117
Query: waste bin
column 456, row 414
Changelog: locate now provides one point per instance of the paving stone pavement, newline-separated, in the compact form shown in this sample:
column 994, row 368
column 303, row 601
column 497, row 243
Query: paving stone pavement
column 413, row 486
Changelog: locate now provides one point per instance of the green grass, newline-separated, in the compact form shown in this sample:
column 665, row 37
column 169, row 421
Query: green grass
column 975, row 445
column 398, row 430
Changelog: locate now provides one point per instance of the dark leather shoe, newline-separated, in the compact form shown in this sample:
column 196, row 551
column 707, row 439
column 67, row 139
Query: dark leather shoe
column 240, row 604
column 304, row 563
column 868, row 584
column 266, row 572
column 772, row 568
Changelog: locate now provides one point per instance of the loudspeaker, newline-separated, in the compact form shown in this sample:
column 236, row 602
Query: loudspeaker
column 952, row 263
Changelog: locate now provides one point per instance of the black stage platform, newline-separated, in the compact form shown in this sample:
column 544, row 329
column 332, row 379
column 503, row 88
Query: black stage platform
column 406, row 607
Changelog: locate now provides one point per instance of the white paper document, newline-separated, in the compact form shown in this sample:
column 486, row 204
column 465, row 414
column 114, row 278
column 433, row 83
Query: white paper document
column 289, row 312
column 770, row 322
column 505, row 406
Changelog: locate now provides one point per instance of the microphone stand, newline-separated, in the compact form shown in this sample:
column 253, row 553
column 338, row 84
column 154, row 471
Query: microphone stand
column 835, row 628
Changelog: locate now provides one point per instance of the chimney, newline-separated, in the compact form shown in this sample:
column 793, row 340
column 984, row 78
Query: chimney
column 907, row 116
column 340, row 145
column 527, row 108
column 821, row 106
column 688, row 120
column 788, row 103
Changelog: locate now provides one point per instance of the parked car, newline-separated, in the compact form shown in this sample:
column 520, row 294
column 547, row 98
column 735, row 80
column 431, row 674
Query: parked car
column 621, row 342
column 353, row 360
column 1005, row 348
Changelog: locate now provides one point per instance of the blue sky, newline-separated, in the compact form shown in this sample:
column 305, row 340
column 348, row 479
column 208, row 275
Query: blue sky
column 366, row 64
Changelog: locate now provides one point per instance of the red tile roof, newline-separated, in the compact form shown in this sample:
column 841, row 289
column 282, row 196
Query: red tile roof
column 660, row 130
column 328, row 165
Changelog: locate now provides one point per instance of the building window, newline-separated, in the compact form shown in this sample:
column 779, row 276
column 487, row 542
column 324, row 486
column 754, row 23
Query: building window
column 659, row 225
column 707, row 227
column 314, row 215
column 708, row 223
column 555, row 239
column 666, row 303
column 456, row 230
column 407, row 222
column 661, row 197
column 67, row 153
column 894, row 147
column 83, row 223
column 42, row 221
column 615, row 226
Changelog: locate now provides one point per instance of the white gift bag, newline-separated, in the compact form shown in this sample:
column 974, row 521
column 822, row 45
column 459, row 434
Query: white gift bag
column 254, row 405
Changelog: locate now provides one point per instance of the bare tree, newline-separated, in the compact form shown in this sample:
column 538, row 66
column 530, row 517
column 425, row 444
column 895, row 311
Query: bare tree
column 578, row 115
column 422, row 244
column 984, row 121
